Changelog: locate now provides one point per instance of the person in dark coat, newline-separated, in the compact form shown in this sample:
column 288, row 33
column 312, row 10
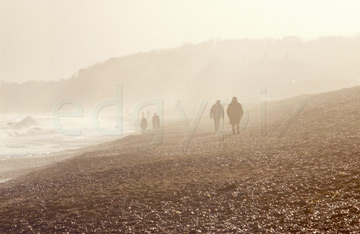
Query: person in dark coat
column 143, row 124
column 235, row 113
column 217, row 113
column 156, row 121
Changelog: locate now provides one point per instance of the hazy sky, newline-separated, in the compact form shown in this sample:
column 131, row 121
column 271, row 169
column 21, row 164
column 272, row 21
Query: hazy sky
column 52, row 39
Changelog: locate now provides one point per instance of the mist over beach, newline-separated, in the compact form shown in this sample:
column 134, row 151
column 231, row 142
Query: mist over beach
column 179, row 116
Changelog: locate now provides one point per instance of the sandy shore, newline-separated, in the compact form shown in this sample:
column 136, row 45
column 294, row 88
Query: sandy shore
column 303, row 180
column 13, row 167
column 238, row 184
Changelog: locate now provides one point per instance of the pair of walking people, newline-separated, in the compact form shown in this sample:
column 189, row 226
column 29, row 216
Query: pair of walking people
column 234, row 111
column 155, row 122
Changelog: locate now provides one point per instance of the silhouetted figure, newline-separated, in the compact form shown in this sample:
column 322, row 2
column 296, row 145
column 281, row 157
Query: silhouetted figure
column 235, row 113
column 156, row 121
column 148, row 115
column 216, row 113
column 143, row 124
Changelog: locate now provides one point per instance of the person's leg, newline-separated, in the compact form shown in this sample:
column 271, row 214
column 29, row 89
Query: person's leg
column 233, row 128
column 237, row 128
column 217, row 125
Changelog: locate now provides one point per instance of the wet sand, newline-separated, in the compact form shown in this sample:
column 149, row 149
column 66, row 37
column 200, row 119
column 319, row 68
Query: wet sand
column 13, row 167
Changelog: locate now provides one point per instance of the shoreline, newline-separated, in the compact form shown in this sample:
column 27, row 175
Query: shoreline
column 14, row 167
column 302, row 180
column 112, row 187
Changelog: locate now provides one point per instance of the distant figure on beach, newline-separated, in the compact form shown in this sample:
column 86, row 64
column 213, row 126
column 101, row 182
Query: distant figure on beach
column 148, row 115
column 143, row 124
column 156, row 121
column 217, row 113
column 235, row 113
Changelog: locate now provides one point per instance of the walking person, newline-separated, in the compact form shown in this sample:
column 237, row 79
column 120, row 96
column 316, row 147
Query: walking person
column 217, row 113
column 148, row 113
column 235, row 114
column 143, row 124
column 156, row 121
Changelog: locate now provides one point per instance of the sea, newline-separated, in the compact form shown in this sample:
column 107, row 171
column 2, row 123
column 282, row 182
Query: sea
column 35, row 135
